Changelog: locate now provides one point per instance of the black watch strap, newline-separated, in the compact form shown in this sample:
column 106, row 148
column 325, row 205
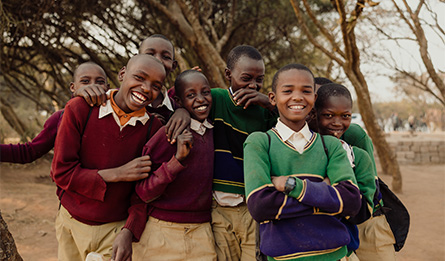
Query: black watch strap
column 290, row 184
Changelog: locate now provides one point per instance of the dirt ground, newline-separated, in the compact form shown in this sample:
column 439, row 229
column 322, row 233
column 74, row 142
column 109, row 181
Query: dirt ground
column 29, row 205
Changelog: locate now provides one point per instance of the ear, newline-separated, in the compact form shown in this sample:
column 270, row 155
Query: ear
column 228, row 74
column 120, row 75
column 178, row 101
column 174, row 65
column 72, row 87
column 272, row 98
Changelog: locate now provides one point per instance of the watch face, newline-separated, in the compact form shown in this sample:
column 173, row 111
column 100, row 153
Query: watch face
column 291, row 181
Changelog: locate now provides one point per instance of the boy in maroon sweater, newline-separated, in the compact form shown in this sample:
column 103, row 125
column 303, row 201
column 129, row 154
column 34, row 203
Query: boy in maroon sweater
column 179, row 191
column 86, row 74
column 97, row 161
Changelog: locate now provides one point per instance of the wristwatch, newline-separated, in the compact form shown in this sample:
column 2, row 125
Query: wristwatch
column 291, row 182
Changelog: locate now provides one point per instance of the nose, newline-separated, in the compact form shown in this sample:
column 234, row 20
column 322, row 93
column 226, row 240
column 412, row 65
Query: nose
column 146, row 87
column 252, row 85
column 336, row 121
column 199, row 98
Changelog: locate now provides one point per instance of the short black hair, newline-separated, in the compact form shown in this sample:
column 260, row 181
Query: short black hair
column 288, row 67
column 329, row 90
column 322, row 80
column 242, row 50
column 179, row 82
column 85, row 63
column 162, row 37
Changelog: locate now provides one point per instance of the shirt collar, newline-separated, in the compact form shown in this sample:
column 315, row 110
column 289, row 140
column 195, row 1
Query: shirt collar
column 106, row 109
column 199, row 127
column 166, row 101
column 286, row 132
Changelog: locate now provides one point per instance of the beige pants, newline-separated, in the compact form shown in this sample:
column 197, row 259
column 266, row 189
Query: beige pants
column 162, row 240
column 77, row 239
column 234, row 231
column 376, row 240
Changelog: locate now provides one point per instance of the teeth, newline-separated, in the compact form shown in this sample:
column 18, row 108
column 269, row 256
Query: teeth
column 139, row 97
column 297, row 107
column 201, row 108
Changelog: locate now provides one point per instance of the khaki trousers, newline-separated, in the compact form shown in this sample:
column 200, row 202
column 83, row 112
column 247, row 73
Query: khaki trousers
column 77, row 239
column 234, row 231
column 376, row 240
column 162, row 240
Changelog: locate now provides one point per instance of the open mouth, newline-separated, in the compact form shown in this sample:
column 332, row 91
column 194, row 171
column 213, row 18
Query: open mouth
column 138, row 97
column 297, row 107
column 201, row 108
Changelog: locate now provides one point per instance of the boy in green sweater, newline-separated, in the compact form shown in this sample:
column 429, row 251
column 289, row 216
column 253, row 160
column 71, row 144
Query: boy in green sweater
column 284, row 170
column 334, row 109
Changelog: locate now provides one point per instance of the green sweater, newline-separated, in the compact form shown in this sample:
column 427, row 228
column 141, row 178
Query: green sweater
column 305, row 224
column 232, row 125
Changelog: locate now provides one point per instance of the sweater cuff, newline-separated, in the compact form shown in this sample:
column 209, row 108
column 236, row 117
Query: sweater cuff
column 299, row 190
column 174, row 166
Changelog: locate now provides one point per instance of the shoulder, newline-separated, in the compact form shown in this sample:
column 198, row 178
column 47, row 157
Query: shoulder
column 77, row 104
column 361, row 154
column 218, row 92
column 257, row 137
column 355, row 131
column 55, row 118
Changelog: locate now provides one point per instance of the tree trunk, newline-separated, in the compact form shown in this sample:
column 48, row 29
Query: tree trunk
column 13, row 120
column 8, row 250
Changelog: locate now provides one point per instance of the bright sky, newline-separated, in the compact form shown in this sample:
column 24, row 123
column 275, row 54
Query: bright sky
column 408, row 57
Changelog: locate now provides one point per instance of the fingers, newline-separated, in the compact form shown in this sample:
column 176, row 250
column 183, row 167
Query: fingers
column 170, row 127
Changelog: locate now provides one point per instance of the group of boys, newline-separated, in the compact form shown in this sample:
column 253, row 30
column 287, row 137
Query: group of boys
column 197, row 188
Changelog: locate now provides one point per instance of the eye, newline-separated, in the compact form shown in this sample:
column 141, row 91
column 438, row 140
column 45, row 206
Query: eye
column 190, row 95
column 166, row 57
column 206, row 92
column 138, row 77
column 346, row 116
column 84, row 81
column 260, row 80
column 157, row 87
column 327, row 115
column 101, row 82
column 246, row 79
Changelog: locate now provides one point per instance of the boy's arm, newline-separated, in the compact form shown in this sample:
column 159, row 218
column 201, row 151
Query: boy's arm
column 263, row 200
column 132, row 230
column 178, row 122
column 342, row 197
column 66, row 169
column 39, row 146
column 170, row 159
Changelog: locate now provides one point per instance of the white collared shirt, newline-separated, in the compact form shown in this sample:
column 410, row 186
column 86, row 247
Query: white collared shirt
column 297, row 139
column 200, row 127
column 106, row 109
column 166, row 101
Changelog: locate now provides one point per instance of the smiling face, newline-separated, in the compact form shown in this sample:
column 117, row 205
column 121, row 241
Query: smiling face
column 88, row 73
column 161, row 49
column 294, row 97
column 194, row 95
column 334, row 117
column 142, row 81
column 246, row 73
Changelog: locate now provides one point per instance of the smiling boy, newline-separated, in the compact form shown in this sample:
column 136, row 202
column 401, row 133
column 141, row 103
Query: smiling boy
column 179, row 190
column 97, row 159
column 284, row 170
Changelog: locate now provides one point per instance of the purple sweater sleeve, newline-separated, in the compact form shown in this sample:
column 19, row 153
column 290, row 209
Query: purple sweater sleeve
column 39, row 146
column 161, row 153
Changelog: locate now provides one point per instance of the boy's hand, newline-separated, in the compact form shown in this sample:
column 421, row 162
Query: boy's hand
column 94, row 94
column 122, row 249
column 132, row 171
column 279, row 182
column 184, row 144
column 178, row 122
column 249, row 96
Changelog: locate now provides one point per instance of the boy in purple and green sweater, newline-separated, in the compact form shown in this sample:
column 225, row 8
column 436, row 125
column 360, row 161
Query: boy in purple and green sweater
column 179, row 190
column 284, row 170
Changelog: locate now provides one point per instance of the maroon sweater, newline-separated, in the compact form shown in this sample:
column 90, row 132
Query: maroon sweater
column 77, row 159
column 179, row 193
column 39, row 146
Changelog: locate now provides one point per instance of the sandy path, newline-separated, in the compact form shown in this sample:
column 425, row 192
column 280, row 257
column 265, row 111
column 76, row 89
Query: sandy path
column 29, row 206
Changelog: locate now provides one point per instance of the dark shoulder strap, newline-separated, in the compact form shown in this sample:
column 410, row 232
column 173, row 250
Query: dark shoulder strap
column 150, row 125
column 324, row 146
